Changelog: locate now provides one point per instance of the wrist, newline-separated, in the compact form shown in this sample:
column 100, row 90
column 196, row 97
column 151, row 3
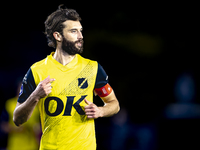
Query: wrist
column 101, row 112
column 35, row 96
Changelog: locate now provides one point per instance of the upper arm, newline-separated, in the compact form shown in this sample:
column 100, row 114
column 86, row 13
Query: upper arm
column 27, row 87
column 101, row 78
column 111, row 97
column 102, row 87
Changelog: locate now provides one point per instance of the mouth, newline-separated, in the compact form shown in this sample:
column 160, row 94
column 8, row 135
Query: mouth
column 79, row 44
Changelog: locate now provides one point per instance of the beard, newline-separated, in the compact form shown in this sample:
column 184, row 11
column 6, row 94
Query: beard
column 71, row 48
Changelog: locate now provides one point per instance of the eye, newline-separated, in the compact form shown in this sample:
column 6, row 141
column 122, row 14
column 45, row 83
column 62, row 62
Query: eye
column 73, row 31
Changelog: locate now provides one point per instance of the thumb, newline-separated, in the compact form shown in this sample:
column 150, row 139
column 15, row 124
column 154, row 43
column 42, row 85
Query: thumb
column 87, row 102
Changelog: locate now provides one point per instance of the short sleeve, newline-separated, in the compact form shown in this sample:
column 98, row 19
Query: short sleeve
column 102, row 77
column 27, row 87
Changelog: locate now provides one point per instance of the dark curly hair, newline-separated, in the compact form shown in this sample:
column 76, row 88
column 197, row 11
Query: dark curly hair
column 54, row 23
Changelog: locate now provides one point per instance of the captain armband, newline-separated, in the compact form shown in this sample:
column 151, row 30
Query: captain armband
column 104, row 91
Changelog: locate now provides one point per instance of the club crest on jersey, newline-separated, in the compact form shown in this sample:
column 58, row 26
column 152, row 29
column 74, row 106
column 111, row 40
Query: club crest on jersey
column 82, row 83
column 21, row 90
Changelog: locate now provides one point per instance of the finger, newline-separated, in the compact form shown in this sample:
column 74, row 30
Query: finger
column 91, row 116
column 48, row 80
column 51, row 80
column 49, row 85
column 48, row 91
column 89, row 108
column 87, row 102
column 89, row 113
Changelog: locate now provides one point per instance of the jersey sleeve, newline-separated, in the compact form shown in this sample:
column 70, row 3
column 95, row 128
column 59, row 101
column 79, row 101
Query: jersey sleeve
column 102, row 77
column 102, row 88
column 27, row 87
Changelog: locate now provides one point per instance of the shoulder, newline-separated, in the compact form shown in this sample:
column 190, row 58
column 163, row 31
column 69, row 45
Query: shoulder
column 83, row 60
column 39, row 64
column 100, row 71
column 102, row 77
column 40, row 68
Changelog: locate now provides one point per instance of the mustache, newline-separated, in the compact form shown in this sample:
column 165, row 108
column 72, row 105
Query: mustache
column 79, row 41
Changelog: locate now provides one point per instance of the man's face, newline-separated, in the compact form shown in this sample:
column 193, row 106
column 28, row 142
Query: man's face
column 72, row 37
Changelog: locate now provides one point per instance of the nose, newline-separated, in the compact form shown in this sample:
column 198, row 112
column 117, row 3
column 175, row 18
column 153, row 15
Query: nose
column 80, row 35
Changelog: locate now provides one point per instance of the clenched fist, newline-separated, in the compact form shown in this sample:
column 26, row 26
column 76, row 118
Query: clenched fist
column 44, row 88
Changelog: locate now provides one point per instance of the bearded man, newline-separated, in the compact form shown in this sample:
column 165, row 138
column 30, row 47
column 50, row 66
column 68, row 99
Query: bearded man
column 62, row 86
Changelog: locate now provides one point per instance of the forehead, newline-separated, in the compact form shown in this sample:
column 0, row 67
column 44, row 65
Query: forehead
column 70, row 24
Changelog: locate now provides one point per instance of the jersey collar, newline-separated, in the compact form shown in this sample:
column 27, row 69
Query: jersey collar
column 70, row 65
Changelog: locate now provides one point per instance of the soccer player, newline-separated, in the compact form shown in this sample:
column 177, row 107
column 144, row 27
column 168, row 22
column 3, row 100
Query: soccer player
column 62, row 86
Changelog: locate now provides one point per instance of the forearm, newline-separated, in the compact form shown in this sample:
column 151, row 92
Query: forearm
column 23, row 111
column 110, row 108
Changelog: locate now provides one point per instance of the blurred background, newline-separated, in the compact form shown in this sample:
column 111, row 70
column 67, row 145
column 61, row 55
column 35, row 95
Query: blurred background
column 149, row 51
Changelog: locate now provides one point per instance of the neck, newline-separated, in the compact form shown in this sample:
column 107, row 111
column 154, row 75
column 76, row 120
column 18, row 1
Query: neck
column 63, row 57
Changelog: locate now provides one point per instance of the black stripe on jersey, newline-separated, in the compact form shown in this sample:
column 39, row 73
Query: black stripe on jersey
column 102, row 77
column 27, row 87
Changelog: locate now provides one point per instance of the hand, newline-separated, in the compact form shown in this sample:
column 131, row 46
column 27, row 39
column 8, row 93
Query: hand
column 44, row 87
column 92, row 111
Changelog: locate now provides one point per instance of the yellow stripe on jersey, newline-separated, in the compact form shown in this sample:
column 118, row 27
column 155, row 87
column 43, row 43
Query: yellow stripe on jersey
column 64, row 123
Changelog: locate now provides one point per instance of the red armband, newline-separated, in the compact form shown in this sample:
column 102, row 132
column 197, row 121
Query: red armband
column 104, row 91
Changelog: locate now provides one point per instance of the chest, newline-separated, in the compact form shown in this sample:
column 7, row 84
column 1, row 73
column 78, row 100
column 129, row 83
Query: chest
column 75, row 81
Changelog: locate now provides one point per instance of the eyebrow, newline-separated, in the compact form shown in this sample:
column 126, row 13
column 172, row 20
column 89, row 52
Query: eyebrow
column 75, row 29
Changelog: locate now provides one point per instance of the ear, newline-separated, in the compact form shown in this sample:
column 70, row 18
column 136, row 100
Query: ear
column 57, row 36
